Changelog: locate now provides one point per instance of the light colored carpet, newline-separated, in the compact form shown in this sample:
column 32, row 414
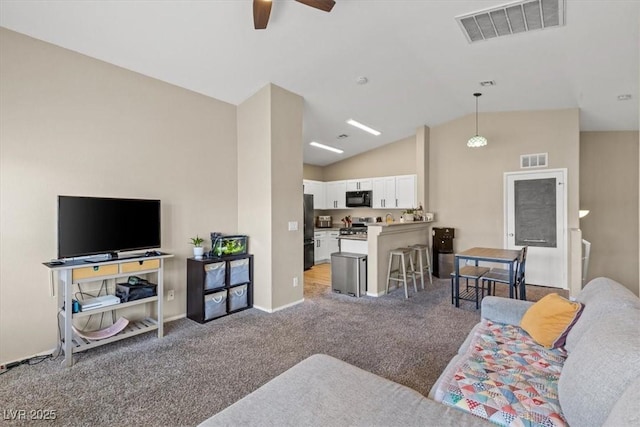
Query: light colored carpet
column 197, row 370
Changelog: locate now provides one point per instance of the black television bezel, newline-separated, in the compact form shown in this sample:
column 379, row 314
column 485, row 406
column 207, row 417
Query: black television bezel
column 112, row 253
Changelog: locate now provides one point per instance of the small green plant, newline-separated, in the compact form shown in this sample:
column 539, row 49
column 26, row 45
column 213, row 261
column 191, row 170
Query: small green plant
column 409, row 211
column 197, row 241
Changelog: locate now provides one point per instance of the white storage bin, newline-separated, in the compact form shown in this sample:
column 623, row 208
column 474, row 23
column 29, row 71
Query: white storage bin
column 238, row 297
column 214, row 275
column 239, row 271
column 215, row 305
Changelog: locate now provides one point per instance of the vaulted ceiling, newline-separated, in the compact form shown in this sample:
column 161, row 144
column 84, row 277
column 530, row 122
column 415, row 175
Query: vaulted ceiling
column 421, row 70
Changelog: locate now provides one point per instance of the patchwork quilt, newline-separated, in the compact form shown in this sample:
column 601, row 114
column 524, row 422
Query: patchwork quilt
column 507, row 378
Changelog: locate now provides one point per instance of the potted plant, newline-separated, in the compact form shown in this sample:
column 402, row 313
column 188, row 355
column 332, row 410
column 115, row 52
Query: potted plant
column 198, row 250
column 407, row 215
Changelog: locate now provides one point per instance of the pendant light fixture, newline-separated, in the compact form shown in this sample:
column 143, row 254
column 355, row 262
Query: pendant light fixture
column 477, row 141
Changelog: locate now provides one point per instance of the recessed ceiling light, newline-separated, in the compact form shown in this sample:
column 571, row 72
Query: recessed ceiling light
column 326, row 147
column 362, row 80
column 363, row 127
column 488, row 83
column 624, row 97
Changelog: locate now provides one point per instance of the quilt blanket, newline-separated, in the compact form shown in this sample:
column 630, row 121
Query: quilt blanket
column 508, row 379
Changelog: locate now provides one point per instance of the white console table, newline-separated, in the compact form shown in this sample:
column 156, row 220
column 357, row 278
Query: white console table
column 76, row 272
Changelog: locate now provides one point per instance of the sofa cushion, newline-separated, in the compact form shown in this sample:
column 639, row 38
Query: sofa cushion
column 324, row 391
column 604, row 362
column 549, row 320
column 506, row 378
column 504, row 310
column 601, row 297
column 625, row 411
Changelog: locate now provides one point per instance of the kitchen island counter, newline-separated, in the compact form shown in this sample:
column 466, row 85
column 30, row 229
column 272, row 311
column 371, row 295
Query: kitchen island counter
column 397, row 223
column 353, row 237
column 382, row 239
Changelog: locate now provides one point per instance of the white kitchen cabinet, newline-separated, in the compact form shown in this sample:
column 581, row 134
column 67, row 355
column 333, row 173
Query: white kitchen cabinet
column 317, row 189
column 320, row 250
column 406, row 191
column 333, row 243
column 335, row 194
column 355, row 246
column 359, row 184
column 384, row 192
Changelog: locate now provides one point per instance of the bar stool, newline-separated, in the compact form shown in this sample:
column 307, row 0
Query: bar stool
column 402, row 255
column 418, row 251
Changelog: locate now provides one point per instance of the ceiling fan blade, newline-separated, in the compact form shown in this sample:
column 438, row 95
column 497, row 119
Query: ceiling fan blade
column 261, row 12
column 325, row 5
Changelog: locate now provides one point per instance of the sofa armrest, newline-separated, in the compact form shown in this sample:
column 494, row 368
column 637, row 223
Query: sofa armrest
column 504, row 310
column 323, row 391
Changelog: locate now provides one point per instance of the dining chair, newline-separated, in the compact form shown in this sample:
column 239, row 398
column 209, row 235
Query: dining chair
column 467, row 272
column 501, row 275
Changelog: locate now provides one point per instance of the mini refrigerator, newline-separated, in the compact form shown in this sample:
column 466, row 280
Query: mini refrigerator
column 349, row 273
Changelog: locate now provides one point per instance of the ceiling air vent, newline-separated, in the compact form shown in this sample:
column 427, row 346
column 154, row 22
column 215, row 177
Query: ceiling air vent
column 512, row 18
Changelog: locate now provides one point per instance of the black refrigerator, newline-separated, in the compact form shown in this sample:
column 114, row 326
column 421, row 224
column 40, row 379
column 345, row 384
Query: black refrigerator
column 308, row 231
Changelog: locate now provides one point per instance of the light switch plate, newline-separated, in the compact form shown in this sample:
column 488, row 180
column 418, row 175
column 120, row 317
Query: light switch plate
column 293, row 225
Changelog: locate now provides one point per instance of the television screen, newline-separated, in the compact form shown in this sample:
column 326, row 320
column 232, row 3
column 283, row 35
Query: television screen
column 95, row 225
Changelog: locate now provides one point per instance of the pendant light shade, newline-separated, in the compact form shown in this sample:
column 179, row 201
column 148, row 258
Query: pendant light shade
column 477, row 140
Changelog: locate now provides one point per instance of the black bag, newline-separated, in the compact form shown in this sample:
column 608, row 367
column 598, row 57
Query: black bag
column 127, row 292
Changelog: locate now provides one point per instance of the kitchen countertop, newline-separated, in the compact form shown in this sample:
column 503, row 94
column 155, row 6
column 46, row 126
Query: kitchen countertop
column 353, row 237
column 393, row 224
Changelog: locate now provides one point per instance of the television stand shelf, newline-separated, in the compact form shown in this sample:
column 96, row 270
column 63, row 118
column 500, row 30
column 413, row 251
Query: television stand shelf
column 77, row 272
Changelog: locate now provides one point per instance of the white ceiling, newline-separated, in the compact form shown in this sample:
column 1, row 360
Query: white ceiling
column 420, row 67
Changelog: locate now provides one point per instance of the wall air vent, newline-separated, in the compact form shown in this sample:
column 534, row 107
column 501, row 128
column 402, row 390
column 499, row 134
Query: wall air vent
column 539, row 160
column 512, row 18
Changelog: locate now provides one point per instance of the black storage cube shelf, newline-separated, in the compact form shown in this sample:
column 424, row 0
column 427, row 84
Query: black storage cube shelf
column 219, row 286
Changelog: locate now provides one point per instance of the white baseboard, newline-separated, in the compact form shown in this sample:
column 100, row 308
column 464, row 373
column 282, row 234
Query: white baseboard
column 17, row 361
column 278, row 308
column 373, row 294
column 176, row 317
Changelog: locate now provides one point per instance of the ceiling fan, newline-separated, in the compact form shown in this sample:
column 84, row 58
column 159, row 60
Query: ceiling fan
column 262, row 10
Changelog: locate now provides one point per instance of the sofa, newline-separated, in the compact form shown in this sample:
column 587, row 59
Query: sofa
column 594, row 378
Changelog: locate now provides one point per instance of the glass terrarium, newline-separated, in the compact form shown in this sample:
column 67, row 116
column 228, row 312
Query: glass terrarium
column 222, row 245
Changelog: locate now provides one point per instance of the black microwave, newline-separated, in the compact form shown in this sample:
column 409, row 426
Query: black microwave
column 357, row 199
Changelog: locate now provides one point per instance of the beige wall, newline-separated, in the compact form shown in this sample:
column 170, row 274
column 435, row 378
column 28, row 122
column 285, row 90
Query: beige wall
column 313, row 172
column 287, row 199
column 609, row 190
column 422, row 165
column 254, row 188
column 73, row 125
column 397, row 158
column 269, row 136
column 466, row 185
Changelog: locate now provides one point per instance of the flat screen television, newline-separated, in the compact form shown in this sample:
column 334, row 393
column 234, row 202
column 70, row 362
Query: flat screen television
column 99, row 225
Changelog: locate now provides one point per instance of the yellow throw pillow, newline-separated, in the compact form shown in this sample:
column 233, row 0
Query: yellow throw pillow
column 549, row 320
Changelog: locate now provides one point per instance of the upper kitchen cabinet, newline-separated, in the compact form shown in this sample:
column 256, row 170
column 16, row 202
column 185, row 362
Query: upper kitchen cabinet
column 406, row 191
column 394, row 192
column 335, row 194
column 359, row 185
column 384, row 192
column 317, row 189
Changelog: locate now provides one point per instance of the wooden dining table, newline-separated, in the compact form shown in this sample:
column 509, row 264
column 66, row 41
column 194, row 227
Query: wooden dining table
column 496, row 255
